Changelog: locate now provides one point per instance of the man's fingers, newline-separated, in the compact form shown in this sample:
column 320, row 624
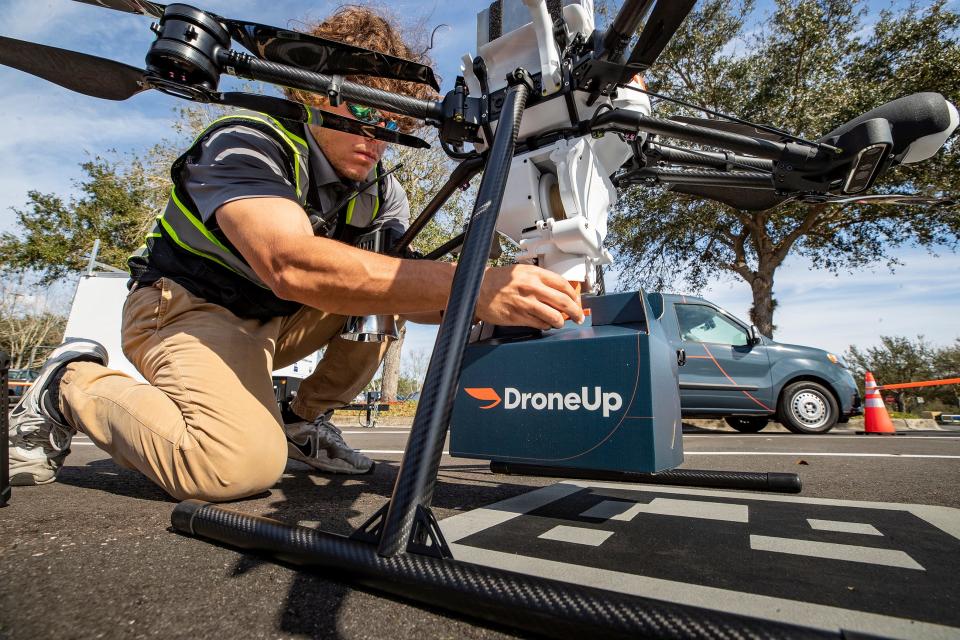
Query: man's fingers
column 563, row 304
column 547, row 315
column 561, row 284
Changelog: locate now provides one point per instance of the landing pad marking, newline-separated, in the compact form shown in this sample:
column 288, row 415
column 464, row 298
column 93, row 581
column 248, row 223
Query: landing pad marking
column 774, row 607
column 577, row 535
column 619, row 510
column 831, row 551
column 843, row 527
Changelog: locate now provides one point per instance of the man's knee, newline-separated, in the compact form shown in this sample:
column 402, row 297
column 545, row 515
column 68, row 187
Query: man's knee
column 241, row 472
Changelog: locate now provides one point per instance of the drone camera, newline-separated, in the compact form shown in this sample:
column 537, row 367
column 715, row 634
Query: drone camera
column 182, row 60
column 865, row 168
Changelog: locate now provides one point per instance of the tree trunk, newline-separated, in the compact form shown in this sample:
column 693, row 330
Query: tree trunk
column 761, row 313
column 391, row 368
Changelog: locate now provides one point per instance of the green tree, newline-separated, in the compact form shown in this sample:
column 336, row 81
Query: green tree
column 116, row 203
column 946, row 364
column 28, row 325
column 809, row 67
column 896, row 359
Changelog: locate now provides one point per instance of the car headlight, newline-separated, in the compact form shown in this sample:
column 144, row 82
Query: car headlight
column 836, row 360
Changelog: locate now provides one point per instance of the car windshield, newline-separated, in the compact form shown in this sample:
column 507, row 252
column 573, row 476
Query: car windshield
column 22, row 375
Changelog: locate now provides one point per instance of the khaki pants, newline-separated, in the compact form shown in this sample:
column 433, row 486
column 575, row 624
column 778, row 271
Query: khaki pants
column 207, row 425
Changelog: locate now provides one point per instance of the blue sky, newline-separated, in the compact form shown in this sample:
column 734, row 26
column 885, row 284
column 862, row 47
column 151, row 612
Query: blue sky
column 46, row 131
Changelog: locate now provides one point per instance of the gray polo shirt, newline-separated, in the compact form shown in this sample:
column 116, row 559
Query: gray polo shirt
column 239, row 162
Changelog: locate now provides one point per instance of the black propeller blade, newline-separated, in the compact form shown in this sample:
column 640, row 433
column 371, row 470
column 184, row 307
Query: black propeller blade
column 663, row 22
column 298, row 49
column 89, row 75
column 143, row 7
column 325, row 56
column 289, row 110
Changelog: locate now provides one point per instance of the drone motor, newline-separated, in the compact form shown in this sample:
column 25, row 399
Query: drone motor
column 182, row 60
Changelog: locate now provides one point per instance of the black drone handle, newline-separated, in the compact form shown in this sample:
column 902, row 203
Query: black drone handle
column 243, row 65
column 708, row 177
column 789, row 152
column 717, row 160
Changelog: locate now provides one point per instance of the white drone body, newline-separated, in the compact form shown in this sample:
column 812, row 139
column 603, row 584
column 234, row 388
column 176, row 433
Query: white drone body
column 557, row 196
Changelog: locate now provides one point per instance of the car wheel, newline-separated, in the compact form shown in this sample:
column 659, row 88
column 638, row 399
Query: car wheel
column 747, row 424
column 808, row 407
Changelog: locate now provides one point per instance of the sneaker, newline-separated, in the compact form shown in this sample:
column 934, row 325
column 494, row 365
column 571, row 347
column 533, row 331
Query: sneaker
column 39, row 438
column 320, row 445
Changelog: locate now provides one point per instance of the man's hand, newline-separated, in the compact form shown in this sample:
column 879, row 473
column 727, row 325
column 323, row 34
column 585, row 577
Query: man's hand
column 525, row 295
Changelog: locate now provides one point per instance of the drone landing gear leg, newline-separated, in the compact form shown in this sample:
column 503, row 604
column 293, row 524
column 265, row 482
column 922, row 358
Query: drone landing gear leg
column 754, row 481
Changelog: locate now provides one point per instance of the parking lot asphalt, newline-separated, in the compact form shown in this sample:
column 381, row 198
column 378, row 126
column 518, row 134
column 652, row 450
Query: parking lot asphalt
column 93, row 556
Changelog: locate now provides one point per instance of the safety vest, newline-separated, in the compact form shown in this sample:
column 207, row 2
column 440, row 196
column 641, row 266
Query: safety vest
column 181, row 247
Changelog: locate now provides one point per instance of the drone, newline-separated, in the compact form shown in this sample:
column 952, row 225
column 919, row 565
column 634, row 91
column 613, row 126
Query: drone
column 555, row 114
column 587, row 131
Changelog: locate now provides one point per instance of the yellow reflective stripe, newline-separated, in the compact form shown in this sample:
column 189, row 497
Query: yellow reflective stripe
column 376, row 199
column 297, row 138
column 176, row 238
column 284, row 133
column 274, row 123
column 350, row 206
column 206, row 234
column 194, row 221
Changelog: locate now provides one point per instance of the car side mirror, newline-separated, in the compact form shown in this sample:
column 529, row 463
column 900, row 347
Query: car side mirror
column 753, row 336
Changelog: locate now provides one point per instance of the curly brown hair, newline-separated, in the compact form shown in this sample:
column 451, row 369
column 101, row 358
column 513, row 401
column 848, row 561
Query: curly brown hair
column 363, row 27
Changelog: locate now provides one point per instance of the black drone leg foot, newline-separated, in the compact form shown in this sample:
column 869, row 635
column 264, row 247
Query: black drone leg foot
column 426, row 538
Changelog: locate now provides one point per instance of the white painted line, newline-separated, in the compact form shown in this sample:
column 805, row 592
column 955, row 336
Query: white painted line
column 756, row 453
column 805, row 614
column 373, row 432
column 386, row 451
column 831, row 551
column 844, row 527
column 577, row 535
column 465, row 524
column 812, row 436
column 689, row 509
column 811, row 454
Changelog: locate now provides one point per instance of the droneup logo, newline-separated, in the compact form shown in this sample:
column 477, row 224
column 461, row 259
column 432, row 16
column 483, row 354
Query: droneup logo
column 550, row 401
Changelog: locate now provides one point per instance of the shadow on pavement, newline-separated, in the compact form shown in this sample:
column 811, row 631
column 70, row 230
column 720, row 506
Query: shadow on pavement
column 106, row 475
column 339, row 504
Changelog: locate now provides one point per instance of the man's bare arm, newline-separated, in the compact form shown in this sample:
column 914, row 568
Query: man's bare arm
column 275, row 237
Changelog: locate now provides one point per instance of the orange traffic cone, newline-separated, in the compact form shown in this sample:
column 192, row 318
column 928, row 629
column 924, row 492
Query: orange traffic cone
column 876, row 420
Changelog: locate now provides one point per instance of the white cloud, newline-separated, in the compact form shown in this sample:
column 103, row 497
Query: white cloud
column 47, row 132
column 818, row 309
